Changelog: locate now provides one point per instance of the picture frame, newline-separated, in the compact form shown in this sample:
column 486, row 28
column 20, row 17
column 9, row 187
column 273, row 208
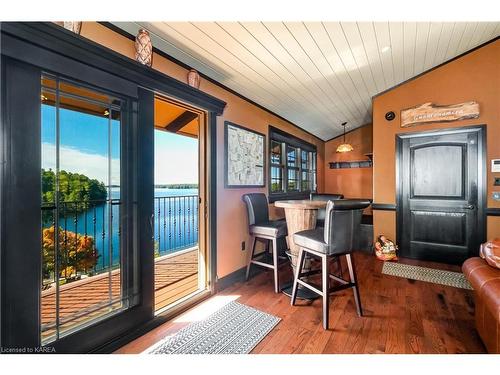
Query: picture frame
column 244, row 157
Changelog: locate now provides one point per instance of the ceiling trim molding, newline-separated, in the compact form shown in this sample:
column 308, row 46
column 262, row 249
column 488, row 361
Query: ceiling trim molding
column 124, row 33
column 436, row 67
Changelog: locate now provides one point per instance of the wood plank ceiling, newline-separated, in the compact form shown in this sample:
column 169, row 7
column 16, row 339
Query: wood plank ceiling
column 315, row 74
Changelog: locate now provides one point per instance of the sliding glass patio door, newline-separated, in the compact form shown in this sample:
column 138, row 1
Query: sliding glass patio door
column 75, row 194
column 82, row 220
column 77, row 219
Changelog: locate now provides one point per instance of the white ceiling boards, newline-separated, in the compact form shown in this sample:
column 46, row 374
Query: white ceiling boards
column 315, row 74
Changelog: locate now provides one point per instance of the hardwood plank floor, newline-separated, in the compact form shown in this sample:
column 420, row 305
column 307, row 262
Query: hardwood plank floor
column 400, row 316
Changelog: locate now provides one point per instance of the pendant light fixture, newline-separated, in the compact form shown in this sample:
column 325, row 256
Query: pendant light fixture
column 344, row 147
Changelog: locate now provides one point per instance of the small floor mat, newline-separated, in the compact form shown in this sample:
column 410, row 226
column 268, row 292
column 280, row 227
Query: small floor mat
column 233, row 329
column 430, row 275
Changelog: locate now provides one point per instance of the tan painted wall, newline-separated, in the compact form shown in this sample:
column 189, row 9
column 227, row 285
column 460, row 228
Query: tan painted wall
column 352, row 182
column 231, row 213
column 475, row 76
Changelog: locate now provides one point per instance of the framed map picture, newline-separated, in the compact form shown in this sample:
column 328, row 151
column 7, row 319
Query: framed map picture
column 244, row 161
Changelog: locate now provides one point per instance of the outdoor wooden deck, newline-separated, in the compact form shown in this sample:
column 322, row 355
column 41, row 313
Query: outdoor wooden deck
column 176, row 276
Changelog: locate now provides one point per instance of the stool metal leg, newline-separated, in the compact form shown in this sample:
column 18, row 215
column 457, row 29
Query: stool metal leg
column 352, row 275
column 275, row 264
column 298, row 270
column 251, row 257
column 339, row 266
column 325, row 274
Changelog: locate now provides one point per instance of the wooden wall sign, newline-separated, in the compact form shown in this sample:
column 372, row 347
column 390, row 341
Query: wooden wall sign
column 429, row 112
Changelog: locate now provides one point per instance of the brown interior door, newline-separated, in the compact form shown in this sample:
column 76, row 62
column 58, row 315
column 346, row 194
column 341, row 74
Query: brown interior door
column 440, row 205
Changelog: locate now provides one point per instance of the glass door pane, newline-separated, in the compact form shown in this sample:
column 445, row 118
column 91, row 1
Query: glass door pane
column 81, row 248
column 178, row 260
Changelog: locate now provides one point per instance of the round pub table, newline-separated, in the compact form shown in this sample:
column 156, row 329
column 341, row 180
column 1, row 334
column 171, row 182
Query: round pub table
column 300, row 215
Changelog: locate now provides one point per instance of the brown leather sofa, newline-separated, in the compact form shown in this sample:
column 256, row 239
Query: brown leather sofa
column 486, row 283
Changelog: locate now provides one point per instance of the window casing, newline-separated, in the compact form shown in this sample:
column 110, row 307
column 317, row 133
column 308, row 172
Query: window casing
column 292, row 164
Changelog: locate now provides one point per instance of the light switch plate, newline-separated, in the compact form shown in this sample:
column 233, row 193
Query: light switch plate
column 496, row 195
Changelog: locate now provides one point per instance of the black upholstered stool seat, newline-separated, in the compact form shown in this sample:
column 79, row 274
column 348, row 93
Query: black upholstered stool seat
column 273, row 228
column 312, row 239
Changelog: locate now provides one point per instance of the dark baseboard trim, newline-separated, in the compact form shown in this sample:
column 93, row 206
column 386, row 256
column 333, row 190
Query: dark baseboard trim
column 229, row 280
column 384, row 206
column 124, row 33
column 493, row 211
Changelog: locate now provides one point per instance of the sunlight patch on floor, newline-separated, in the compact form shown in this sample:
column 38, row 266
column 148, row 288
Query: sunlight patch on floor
column 205, row 309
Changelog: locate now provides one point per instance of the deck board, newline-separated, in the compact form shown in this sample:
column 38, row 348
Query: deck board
column 176, row 276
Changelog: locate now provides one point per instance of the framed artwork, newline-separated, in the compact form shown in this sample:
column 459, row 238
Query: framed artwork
column 244, row 158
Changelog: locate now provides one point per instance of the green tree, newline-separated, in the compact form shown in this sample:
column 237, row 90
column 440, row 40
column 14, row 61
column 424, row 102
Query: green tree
column 73, row 187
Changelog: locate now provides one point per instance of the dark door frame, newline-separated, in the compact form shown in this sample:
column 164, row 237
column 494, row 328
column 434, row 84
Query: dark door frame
column 481, row 169
column 32, row 48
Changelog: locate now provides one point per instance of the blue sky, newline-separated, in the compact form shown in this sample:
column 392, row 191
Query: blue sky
column 84, row 148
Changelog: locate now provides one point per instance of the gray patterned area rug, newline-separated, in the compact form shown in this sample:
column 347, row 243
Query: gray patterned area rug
column 431, row 275
column 233, row 329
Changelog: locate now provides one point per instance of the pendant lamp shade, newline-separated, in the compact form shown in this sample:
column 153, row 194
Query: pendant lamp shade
column 344, row 147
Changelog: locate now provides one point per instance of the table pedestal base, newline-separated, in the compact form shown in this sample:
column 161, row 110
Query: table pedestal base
column 302, row 292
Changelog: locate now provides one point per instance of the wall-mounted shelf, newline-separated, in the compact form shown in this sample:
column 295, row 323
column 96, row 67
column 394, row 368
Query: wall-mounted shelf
column 351, row 164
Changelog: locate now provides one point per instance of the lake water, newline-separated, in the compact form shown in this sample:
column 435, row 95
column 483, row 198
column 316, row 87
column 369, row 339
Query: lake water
column 175, row 224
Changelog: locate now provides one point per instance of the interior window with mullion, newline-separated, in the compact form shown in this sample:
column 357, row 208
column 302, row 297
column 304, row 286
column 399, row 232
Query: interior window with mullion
column 276, row 167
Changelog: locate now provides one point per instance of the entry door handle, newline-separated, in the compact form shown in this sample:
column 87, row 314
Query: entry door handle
column 469, row 207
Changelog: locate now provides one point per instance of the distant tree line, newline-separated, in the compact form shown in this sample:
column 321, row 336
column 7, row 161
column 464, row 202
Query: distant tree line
column 73, row 187
column 177, row 186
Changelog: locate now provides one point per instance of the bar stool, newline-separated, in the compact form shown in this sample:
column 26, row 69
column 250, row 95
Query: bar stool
column 265, row 230
column 342, row 221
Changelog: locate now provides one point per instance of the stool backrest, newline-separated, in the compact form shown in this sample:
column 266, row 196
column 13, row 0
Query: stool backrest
column 257, row 208
column 342, row 222
column 323, row 197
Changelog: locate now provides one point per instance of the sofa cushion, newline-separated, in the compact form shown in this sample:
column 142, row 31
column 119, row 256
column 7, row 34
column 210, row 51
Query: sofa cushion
column 478, row 272
column 486, row 283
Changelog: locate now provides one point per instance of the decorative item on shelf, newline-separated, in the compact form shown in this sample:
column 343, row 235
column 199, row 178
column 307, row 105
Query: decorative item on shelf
column 344, row 147
column 193, row 79
column 144, row 48
column 429, row 112
column 74, row 26
column 385, row 249
column 389, row 116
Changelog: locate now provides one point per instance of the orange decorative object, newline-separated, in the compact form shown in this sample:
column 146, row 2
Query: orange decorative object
column 385, row 249
column 490, row 251
column 74, row 26
column 143, row 48
column 193, row 78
